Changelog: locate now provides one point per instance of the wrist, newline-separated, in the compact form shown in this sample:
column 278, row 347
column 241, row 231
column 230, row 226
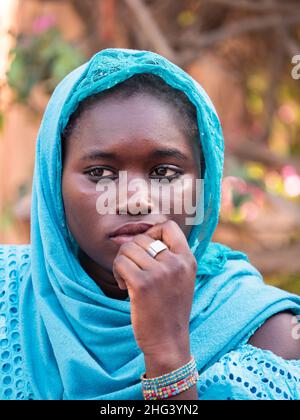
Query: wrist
column 158, row 364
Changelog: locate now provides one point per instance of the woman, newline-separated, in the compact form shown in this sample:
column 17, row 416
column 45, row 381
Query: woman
column 99, row 299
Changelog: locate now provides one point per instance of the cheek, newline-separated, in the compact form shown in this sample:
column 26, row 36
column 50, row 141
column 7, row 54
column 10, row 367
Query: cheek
column 183, row 199
column 79, row 197
column 181, row 194
column 85, row 224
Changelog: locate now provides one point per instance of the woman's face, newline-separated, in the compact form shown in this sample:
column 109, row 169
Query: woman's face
column 140, row 135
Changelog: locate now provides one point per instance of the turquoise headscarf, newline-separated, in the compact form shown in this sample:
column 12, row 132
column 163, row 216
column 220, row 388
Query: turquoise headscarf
column 78, row 343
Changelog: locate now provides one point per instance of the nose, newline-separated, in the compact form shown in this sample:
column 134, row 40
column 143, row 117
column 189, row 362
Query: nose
column 135, row 197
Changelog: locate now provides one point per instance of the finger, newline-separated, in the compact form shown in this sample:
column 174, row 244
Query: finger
column 138, row 254
column 170, row 234
column 164, row 256
column 124, row 271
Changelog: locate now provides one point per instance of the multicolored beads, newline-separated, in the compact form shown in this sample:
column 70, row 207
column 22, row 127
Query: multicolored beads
column 170, row 384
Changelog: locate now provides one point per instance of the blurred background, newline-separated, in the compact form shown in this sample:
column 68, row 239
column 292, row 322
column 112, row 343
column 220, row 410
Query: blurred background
column 245, row 53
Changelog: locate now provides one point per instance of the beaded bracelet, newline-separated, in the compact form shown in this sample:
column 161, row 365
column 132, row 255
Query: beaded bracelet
column 172, row 383
column 170, row 377
column 171, row 390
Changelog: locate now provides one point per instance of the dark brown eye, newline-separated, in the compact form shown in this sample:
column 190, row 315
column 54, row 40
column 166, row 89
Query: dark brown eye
column 166, row 172
column 161, row 171
column 100, row 173
column 97, row 172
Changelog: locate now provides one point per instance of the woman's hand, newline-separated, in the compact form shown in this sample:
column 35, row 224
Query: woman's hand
column 161, row 291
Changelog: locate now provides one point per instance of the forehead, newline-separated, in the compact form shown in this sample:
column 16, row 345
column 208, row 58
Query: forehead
column 140, row 120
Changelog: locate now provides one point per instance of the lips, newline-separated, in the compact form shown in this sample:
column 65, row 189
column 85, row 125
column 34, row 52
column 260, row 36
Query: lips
column 127, row 232
column 131, row 229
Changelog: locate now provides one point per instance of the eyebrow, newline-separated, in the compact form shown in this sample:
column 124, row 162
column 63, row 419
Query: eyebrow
column 168, row 152
column 98, row 154
column 158, row 153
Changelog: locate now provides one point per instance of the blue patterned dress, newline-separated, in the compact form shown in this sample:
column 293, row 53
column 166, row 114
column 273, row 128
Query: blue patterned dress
column 246, row 372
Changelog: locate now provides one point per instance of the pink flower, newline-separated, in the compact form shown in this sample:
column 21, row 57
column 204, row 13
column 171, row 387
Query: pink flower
column 249, row 211
column 292, row 185
column 235, row 183
column 42, row 23
column 287, row 113
column 288, row 170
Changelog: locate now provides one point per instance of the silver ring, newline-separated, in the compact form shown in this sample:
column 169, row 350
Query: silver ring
column 156, row 247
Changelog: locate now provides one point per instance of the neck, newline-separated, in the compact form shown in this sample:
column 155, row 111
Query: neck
column 104, row 278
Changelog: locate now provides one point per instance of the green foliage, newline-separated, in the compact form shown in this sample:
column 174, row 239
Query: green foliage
column 256, row 87
column 238, row 199
column 6, row 217
column 1, row 121
column 43, row 57
column 287, row 282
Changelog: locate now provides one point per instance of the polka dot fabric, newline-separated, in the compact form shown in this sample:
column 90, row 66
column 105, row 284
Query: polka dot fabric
column 244, row 373
column 249, row 373
column 14, row 259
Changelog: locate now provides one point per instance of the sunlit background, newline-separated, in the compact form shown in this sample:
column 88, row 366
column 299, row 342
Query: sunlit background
column 240, row 51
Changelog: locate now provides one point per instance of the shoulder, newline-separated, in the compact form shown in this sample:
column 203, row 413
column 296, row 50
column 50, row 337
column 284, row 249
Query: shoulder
column 251, row 373
column 279, row 334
